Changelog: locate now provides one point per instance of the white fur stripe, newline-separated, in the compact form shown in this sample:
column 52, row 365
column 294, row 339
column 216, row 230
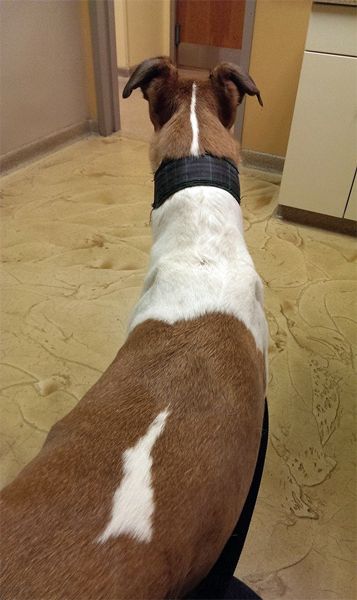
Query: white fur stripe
column 133, row 502
column 195, row 146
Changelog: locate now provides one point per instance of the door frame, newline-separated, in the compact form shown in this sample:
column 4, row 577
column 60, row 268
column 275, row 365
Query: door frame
column 102, row 20
column 241, row 57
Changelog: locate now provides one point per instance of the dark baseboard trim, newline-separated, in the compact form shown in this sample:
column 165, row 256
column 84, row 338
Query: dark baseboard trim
column 47, row 144
column 126, row 71
column 306, row 217
column 263, row 161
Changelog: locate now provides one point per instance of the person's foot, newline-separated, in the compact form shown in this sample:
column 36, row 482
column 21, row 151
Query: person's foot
column 237, row 590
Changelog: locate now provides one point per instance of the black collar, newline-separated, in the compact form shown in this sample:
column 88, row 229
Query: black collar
column 176, row 174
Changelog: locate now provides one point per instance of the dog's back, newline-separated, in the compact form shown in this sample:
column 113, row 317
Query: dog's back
column 136, row 491
column 55, row 537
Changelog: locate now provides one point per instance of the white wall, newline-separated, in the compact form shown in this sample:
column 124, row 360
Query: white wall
column 42, row 68
column 142, row 30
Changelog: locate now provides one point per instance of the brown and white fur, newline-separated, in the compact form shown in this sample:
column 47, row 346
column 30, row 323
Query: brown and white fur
column 137, row 489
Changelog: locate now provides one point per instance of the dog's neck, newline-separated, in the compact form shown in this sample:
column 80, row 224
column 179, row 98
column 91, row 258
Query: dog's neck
column 200, row 264
column 206, row 170
column 194, row 148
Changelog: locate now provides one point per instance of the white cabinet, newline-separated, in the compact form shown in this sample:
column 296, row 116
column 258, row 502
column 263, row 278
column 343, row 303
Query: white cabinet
column 322, row 152
column 332, row 29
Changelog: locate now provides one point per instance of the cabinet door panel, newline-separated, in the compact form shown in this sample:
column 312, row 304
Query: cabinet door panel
column 332, row 29
column 322, row 146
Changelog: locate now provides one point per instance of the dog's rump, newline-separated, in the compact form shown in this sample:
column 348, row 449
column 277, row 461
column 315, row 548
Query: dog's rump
column 61, row 537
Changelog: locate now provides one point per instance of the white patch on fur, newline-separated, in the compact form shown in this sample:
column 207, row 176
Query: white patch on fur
column 200, row 263
column 133, row 502
column 195, row 146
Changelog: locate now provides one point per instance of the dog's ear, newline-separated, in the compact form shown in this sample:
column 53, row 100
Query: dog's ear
column 157, row 78
column 231, row 83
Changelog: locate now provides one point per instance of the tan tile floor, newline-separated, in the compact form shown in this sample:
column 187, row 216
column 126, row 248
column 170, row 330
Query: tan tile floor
column 75, row 244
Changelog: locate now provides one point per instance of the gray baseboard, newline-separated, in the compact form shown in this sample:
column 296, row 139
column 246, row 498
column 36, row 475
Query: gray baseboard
column 126, row 71
column 40, row 147
column 262, row 161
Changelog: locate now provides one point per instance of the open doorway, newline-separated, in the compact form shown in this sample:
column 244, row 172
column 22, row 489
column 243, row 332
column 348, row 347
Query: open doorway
column 207, row 32
column 196, row 34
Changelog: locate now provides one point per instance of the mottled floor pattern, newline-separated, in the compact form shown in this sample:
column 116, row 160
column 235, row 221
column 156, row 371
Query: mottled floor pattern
column 76, row 238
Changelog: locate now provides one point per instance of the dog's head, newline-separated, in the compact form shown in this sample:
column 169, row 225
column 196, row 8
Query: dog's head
column 191, row 116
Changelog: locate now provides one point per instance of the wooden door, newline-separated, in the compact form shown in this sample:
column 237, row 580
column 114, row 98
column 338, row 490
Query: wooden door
column 211, row 22
column 211, row 31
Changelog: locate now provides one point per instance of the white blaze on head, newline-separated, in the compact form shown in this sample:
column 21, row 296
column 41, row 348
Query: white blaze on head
column 195, row 146
column 133, row 502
